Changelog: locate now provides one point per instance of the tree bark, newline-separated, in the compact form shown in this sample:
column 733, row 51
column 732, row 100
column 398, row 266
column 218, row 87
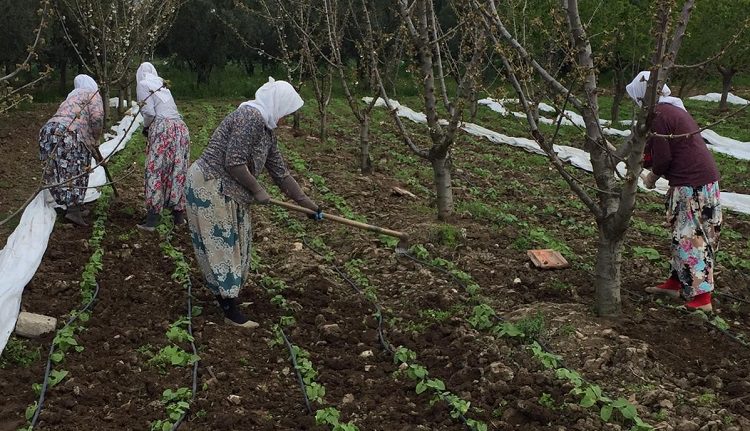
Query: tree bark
column 62, row 65
column 104, row 91
column 727, row 73
column 473, row 106
column 364, row 144
column 323, row 124
column 121, row 102
column 441, row 167
column 296, row 124
column 607, row 275
column 204, row 74
column 619, row 94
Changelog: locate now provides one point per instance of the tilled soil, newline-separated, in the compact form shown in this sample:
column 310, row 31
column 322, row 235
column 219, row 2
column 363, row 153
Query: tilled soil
column 679, row 372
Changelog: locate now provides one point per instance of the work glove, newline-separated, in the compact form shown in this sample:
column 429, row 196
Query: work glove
column 317, row 215
column 650, row 181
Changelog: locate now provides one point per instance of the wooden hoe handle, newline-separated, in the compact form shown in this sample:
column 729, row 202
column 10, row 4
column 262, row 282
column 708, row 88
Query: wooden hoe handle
column 342, row 220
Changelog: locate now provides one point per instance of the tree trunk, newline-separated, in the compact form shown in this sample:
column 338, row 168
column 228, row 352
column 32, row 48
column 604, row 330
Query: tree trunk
column 364, row 144
column 441, row 167
column 323, row 125
column 607, row 276
column 104, row 91
column 535, row 111
column 619, row 93
column 129, row 94
column 121, row 102
column 62, row 65
column 296, row 124
column 727, row 73
column 473, row 107
column 204, row 74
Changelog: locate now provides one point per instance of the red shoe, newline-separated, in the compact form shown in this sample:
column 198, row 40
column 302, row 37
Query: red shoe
column 700, row 302
column 671, row 288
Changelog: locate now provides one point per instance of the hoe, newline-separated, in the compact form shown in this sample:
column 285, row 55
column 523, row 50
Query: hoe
column 403, row 239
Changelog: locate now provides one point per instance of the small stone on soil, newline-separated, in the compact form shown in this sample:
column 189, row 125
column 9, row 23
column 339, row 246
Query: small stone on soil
column 234, row 399
column 348, row 398
column 504, row 372
column 687, row 425
column 331, row 329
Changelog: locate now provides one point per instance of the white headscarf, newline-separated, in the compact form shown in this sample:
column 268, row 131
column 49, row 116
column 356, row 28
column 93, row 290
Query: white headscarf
column 275, row 99
column 143, row 69
column 147, row 76
column 83, row 83
column 637, row 91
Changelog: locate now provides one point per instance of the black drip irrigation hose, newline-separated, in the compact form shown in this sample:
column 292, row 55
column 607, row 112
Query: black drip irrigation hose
column 732, row 297
column 296, row 369
column 643, row 298
column 381, row 336
column 192, row 342
column 48, row 369
column 463, row 286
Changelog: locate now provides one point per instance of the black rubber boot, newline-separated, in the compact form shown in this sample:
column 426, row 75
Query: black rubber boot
column 75, row 215
column 179, row 217
column 149, row 224
column 233, row 315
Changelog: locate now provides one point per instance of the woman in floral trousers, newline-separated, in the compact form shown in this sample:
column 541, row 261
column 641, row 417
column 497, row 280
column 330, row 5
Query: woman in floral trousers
column 66, row 142
column 677, row 152
column 222, row 185
column 168, row 149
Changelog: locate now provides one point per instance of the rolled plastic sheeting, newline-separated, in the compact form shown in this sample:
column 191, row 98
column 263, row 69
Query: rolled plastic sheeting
column 21, row 257
column 569, row 118
column 729, row 146
column 716, row 142
column 575, row 156
column 716, row 97
column 23, row 252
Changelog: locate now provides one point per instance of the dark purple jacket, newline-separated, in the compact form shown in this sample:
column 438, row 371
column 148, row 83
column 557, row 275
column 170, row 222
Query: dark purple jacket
column 684, row 161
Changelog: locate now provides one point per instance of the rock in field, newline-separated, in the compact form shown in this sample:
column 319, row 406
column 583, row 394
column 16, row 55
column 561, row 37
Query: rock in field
column 32, row 325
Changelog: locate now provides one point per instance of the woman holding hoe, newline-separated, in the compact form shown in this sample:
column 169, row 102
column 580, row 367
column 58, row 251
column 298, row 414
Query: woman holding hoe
column 222, row 185
column 693, row 206
column 66, row 143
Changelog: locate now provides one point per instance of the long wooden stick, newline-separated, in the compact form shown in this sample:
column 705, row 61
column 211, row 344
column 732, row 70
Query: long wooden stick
column 100, row 160
column 342, row 220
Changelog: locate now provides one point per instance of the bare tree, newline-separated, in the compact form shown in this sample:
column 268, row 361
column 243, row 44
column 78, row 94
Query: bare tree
column 306, row 23
column 427, row 38
column 14, row 90
column 367, row 46
column 290, row 58
column 115, row 34
column 612, row 199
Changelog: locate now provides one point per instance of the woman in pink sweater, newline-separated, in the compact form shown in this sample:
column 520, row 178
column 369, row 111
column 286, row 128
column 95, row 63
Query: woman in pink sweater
column 66, row 143
column 693, row 201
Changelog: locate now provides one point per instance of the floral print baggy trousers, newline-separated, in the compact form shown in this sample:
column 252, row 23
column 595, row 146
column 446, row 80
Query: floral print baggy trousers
column 221, row 232
column 166, row 165
column 695, row 216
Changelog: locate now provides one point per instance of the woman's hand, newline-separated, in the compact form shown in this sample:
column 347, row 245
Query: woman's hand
column 261, row 196
column 650, row 181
